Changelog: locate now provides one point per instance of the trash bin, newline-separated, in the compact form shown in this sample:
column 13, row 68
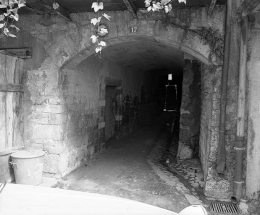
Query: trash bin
column 28, row 166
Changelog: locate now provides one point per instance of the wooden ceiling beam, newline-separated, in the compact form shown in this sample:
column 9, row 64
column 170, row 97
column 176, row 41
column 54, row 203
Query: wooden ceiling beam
column 131, row 8
column 211, row 6
column 24, row 53
column 46, row 7
column 248, row 6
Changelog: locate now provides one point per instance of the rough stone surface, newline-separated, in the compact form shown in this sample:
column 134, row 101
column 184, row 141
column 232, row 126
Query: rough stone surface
column 184, row 151
column 64, row 81
column 190, row 109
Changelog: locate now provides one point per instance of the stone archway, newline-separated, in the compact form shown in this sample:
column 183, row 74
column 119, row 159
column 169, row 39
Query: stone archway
column 70, row 45
column 192, row 45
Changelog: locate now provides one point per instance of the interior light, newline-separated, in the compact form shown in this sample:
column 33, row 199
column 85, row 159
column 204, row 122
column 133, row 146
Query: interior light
column 169, row 77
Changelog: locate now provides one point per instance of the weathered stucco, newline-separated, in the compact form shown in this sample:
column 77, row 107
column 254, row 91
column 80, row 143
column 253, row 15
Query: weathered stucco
column 253, row 147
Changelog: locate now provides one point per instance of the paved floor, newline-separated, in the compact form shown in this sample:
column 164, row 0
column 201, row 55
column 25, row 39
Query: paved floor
column 134, row 168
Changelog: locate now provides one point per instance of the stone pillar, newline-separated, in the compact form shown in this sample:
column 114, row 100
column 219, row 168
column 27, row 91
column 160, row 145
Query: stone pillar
column 46, row 117
column 190, row 109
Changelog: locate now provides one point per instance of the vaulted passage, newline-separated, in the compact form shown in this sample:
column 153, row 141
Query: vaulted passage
column 143, row 94
column 169, row 109
column 109, row 99
column 78, row 105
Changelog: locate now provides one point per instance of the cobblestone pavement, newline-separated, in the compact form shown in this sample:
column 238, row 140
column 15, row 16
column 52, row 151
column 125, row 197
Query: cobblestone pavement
column 186, row 175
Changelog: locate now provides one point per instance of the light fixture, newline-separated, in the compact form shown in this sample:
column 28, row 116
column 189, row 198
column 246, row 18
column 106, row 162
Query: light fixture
column 169, row 77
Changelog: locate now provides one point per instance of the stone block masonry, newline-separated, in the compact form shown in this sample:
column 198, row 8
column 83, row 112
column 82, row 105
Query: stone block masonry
column 63, row 90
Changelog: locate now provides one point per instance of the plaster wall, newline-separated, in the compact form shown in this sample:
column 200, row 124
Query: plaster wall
column 253, row 138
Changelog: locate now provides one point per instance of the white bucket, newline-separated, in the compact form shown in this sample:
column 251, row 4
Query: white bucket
column 28, row 166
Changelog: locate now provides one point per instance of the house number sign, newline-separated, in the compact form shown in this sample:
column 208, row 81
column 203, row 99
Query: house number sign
column 133, row 29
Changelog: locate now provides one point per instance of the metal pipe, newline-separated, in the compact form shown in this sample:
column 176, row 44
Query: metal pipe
column 240, row 134
column 221, row 158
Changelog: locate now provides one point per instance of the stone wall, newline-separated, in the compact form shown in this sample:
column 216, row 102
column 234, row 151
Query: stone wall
column 63, row 105
column 207, row 86
column 216, row 186
column 190, row 110
column 80, row 90
column 65, row 115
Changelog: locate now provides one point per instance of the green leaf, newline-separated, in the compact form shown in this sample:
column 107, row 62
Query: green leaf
column 15, row 11
column 147, row 3
column 98, row 49
column 6, row 31
column 103, row 31
column 102, row 43
column 15, row 17
column 97, row 6
column 16, row 28
column 55, row 5
column 10, row 35
column 164, row 2
column 107, row 16
column 94, row 38
column 168, row 8
column 94, row 21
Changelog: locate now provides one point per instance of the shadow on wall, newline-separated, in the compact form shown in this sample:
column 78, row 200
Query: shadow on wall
column 136, row 111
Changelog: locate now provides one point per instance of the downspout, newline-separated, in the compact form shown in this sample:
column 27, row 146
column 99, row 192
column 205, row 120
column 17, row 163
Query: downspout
column 240, row 134
column 221, row 158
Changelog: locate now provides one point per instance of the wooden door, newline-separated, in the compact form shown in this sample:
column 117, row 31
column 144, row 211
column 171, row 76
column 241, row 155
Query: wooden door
column 11, row 110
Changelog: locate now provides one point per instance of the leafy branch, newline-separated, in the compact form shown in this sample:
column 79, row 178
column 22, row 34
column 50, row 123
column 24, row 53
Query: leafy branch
column 158, row 5
column 9, row 16
column 101, row 30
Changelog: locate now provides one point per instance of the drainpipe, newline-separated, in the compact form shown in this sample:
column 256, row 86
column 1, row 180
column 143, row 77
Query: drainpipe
column 223, row 101
column 240, row 134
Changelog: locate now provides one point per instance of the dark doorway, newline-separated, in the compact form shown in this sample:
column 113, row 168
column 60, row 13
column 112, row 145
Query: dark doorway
column 110, row 117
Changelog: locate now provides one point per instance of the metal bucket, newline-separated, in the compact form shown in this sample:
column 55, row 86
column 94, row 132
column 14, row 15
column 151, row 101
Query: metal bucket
column 28, row 166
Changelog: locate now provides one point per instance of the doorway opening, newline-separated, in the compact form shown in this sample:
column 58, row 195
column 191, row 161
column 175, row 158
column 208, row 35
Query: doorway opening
column 110, row 115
